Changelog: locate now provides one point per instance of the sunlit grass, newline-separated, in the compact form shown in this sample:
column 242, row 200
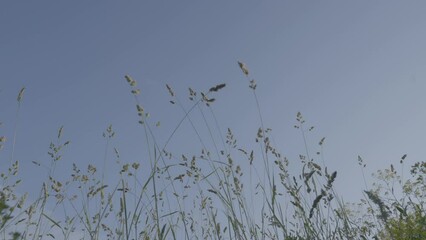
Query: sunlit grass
column 221, row 191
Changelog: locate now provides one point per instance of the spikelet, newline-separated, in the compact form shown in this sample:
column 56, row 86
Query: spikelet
column 243, row 68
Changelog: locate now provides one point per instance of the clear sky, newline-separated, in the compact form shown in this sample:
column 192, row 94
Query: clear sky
column 355, row 69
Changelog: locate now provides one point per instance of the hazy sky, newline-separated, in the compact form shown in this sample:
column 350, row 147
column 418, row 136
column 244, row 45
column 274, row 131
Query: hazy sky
column 355, row 69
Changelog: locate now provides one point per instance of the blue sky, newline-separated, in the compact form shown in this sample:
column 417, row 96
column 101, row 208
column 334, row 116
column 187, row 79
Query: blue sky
column 355, row 69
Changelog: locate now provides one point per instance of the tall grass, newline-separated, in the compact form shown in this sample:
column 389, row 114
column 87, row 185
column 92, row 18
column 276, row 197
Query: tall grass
column 221, row 191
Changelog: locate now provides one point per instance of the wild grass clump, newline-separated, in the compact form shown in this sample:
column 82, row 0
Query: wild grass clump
column 221, row 191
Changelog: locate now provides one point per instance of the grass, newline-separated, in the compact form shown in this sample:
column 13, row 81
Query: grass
column 221, row 191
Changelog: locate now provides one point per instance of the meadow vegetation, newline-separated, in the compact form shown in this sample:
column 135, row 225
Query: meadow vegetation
column 226, row 191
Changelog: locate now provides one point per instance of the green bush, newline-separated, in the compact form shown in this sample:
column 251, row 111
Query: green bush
column 412, row 226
